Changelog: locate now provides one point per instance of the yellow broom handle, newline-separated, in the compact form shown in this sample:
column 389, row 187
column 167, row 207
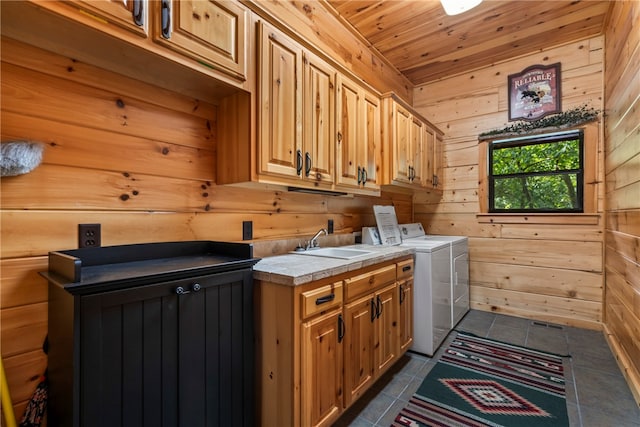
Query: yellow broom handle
column 9, row 416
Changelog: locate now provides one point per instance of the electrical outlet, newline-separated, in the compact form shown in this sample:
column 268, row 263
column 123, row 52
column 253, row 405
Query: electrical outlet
column 330, row 226
column 89, row 235
column 247, row 230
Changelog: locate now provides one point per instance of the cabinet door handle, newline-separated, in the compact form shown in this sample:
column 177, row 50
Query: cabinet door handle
column 378, row 307
column 341, row 328
column 401, row 294
column 166, row 19
column 298, row 162
column 364, row 176
column 406, row 268
column 182, row 291
column 138, row 12
column 359, row 175
column 307, row 167
column 373, row 310
column 339, row 137
column 324, row 299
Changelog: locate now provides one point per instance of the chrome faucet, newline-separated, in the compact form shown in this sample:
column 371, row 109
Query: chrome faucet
column 313, row 243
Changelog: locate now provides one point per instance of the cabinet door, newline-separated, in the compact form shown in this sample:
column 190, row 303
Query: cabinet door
column 280, row 105
column 130, row 15
column 211, row 32
column 319, row 120
column 437, row 161
column 358, row 136
column 405, row 294
column 417, row 152
column 348, row 160
column 359, row 371
column 321, row 369
column 429, row 141
column 401, row 141
column 157, row 355
column 386, row 328
column 371, row 140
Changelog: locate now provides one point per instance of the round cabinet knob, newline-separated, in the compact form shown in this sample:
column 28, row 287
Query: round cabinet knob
column 196, row 287
column 180, row 290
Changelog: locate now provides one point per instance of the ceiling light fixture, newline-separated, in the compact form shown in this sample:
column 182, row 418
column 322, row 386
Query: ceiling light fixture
column 454, row 7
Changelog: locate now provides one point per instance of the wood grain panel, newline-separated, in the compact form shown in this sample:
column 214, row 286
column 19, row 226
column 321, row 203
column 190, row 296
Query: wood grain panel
column 56, row 230
column 622, row 133
column 456, row 224
column 23, row 328
column 580, row 233
column 587, row 256
column 544, row 316
column 544, row 281
column 23, row 375
column 21, row 283
column 567, row 311
column 82, row 147
column 68, row 68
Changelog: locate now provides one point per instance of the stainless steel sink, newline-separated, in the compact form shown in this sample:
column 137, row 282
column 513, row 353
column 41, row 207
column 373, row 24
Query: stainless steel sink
column 340, row 253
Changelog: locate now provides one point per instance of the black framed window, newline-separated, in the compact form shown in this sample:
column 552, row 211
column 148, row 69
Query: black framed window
column 541, row 173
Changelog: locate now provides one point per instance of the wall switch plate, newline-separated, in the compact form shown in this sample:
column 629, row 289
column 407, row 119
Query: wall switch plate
column 89, row 235
column 330, row 226
column 247, row 230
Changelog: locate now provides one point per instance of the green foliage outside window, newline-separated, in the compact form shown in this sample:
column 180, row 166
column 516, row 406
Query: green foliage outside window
column 537, row 174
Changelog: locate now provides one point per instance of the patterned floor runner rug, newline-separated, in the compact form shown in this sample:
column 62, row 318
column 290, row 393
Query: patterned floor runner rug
column 481, row 382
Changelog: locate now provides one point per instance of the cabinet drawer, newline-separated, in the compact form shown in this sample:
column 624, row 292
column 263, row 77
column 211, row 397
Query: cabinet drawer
column 404, row 269
column 369, row 281
column 321, row 299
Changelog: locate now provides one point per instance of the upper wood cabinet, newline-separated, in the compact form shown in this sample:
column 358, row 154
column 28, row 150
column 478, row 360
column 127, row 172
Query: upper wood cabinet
column 213, row 33
column 414, row 146
column 296, row 116
column 359, row 137
column 129, row 15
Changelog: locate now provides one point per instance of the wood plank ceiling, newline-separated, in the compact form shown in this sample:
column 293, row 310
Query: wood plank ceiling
column 425, row 44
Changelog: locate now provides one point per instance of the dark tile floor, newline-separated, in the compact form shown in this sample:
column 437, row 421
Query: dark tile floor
column 597, row 394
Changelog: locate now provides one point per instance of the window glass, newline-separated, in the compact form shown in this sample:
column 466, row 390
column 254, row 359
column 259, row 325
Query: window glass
column 537, row 174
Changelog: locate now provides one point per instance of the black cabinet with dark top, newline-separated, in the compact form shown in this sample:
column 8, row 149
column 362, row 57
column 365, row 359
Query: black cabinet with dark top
column 152, row 335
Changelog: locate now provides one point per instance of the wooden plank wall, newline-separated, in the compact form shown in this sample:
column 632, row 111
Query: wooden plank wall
column 622, row 168
column 135, row 158
column 548, row 272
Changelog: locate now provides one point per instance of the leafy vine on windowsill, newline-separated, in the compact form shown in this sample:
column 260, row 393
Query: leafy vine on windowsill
column 569, row 118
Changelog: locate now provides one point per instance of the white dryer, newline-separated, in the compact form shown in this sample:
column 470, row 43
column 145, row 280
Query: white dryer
column 441, row 285
column 459, row 246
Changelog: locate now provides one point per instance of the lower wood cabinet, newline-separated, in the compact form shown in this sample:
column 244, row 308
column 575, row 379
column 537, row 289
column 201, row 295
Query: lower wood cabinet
column 323, row 344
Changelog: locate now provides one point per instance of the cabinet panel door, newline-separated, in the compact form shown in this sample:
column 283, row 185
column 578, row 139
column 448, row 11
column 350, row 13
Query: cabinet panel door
column 211, row 32
column 280, row 105
column 386, row 328
column 358, row 358
column 348, row 162
column 401, row 144
column 321, row 370
column 405, row 293
column 130, row 15
column 417, row 152
column 151, row 356
column 371, row 140
column 319, row 119
column 429, row 161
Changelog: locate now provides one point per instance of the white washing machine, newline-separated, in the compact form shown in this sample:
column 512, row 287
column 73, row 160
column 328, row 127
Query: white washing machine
column 431, row 295
column 441, row 285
